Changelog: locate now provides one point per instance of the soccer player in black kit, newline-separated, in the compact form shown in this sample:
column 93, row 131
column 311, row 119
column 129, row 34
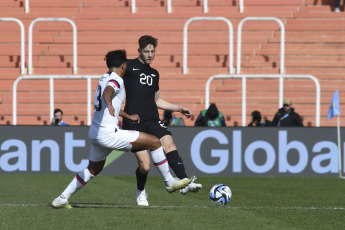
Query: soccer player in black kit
column 142, row 98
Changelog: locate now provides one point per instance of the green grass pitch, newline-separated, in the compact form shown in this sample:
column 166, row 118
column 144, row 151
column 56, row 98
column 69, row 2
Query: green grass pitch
column 108, row 202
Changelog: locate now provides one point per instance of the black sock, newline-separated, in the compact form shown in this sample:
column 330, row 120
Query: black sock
column 141, row 179
column 176, row 163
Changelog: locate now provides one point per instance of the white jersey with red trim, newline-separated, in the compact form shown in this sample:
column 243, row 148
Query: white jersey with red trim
column 102, row 122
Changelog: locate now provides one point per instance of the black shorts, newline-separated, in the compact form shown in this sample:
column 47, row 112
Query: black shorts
column 154, row 127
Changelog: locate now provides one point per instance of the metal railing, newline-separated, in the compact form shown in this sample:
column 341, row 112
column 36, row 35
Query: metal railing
column 50, row 20
column 282, row 49
column 133, row 6
column 185, row 39
column 22, row 41
column 262, row 76
column 169, row 6
column 205, row 6
column 240, row 6
column 51, row 91
column 169, row 9
column 27, row 6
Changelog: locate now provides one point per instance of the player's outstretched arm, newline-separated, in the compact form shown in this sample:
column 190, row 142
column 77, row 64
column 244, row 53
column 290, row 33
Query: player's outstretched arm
column 162, row 104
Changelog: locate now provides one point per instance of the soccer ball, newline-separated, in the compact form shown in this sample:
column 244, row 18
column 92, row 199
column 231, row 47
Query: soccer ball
column 220, row 194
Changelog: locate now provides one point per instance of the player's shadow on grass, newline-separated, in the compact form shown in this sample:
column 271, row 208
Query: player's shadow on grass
column 121, row 206
column 103, row 205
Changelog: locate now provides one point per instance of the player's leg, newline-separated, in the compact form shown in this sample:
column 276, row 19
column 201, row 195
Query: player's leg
column 78, row 182
column 96, row 164
column 176, row 163
column 147, row 141
column 174, row 159
column 141, row 173
column 143, row 169
column 158, row 129
column 144, row 164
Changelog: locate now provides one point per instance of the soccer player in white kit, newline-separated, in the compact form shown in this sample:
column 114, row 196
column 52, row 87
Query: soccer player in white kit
column 105, row 135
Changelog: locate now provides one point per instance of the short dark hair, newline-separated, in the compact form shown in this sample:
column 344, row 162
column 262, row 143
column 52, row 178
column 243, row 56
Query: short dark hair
column 58, row 110
column 147, row 40
column 115, row 58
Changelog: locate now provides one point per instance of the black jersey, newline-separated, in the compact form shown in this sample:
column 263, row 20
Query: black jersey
column 141, row 84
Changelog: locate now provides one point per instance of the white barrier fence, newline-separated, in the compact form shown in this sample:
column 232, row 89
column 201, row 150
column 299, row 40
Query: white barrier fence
column 51, row 91
column 50, row 20
column 262, row 76
column 282, row 49
column 169, row 8
column 22, row 41
column 185, row 40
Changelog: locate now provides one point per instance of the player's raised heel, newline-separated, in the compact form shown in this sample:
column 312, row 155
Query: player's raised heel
column 175, row 184
column 61, row 202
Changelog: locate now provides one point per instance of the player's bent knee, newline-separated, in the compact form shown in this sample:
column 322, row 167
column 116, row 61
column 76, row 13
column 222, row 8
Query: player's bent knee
column 144, row 165
column 144, row 169
column 169, row 147
column 168, row 143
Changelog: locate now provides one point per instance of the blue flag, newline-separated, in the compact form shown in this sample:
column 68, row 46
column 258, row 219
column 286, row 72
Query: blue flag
column 334, row 107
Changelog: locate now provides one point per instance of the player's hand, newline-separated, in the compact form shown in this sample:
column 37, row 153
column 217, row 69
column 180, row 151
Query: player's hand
column 111, row 110
column 186, row 112
column 134, row 118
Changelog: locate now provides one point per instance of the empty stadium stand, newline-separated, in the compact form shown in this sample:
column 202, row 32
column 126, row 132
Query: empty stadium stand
column 314, row 45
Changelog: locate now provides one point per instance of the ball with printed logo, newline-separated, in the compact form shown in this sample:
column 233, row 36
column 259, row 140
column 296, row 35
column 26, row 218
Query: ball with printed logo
column 220, row 194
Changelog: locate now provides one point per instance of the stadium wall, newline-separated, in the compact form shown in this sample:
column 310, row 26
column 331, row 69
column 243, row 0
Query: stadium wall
column 230, row 151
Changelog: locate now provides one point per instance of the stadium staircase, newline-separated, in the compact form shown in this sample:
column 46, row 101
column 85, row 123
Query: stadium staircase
column 314, row 46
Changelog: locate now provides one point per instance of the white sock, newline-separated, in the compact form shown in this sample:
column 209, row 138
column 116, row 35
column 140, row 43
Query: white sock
column 160, row 161
column 78, row 182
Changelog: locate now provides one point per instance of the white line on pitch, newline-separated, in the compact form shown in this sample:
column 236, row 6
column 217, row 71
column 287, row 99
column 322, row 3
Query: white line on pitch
column 177, row 206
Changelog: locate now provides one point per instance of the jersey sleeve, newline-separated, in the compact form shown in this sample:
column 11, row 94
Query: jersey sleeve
column 115, row 84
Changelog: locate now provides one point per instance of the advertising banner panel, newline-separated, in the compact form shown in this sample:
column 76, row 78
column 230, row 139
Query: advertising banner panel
column 226, row 151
